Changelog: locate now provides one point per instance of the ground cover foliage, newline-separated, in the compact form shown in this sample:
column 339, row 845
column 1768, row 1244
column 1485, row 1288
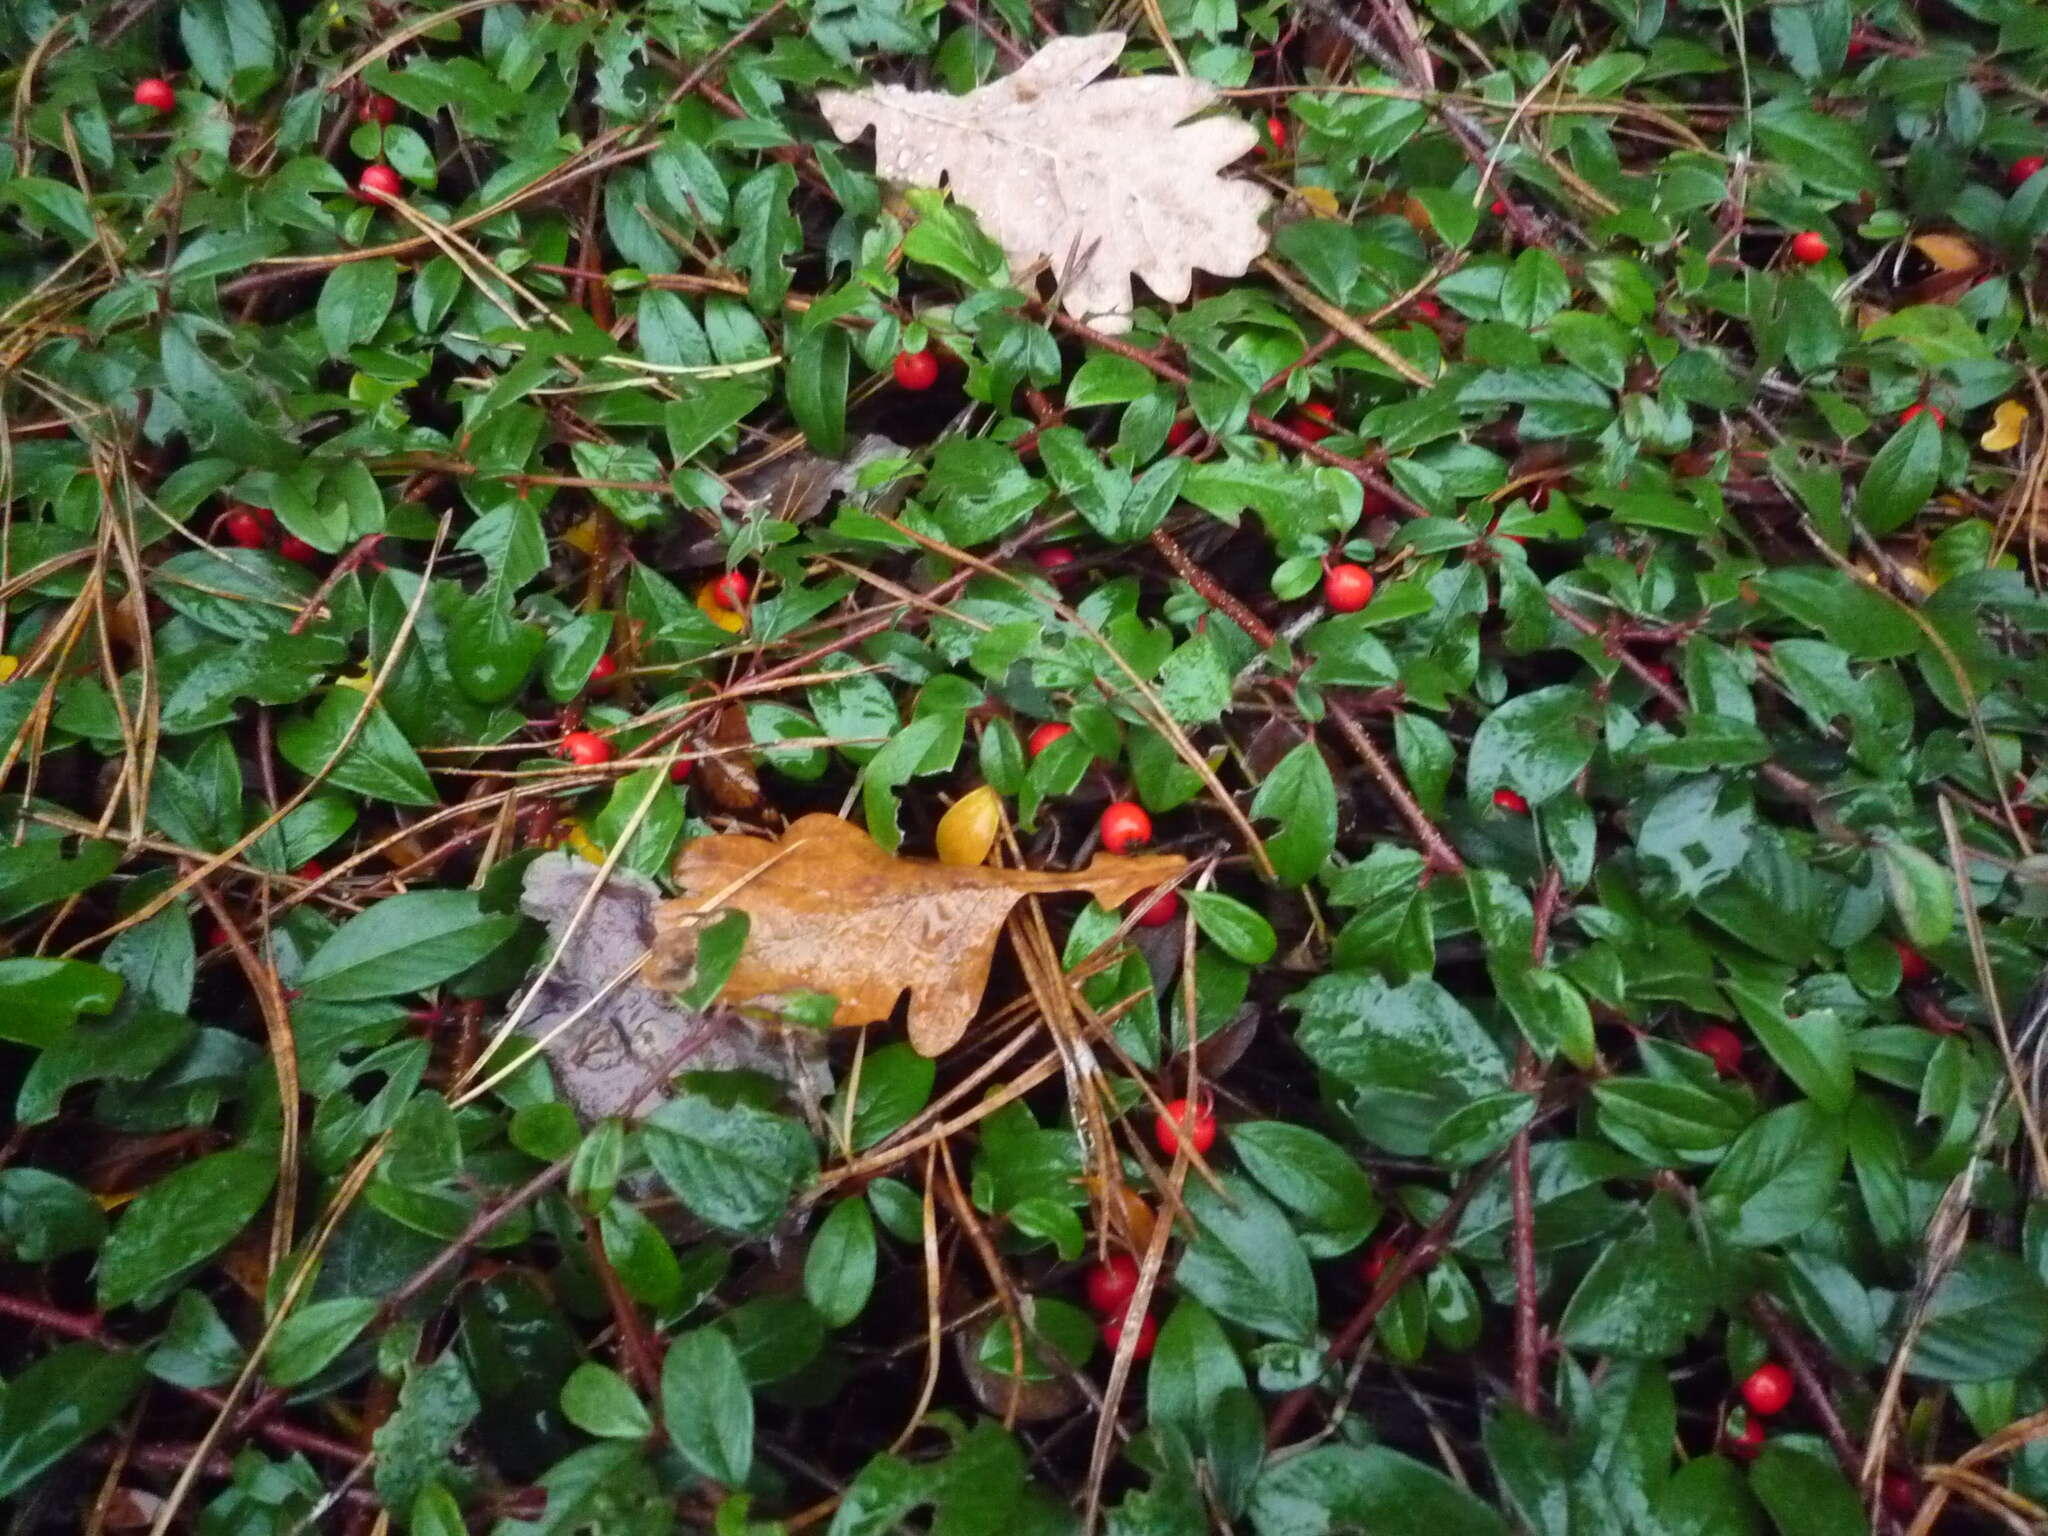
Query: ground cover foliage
column 1572, row 603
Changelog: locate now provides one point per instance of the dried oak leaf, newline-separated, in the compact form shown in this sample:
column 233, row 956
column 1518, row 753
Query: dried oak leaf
column 831, row 912
column 1103, row 180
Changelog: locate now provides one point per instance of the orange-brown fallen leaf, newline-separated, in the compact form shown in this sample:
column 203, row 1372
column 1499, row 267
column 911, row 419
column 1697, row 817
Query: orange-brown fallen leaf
column 831, row 912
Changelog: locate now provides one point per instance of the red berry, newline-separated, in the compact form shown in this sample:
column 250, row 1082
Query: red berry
column 1659, row 672
column 1509, row 800
column 1913, row 965
column 1053, row 558
column 378, row 109
column 1276, row 130
column 1498, row 207
column 1768, row 1389
column 379, row 183
column 1112, row 1283
column 1179, row 432
column 216, row 936
column 1376, row 1263
column 731, row 590
column 1428, row 308
column 1743, row 1444
column 1810, row 247
column 156, row 94
column 681, row 770
column 312, row 869
column 244, row 527
column 1046, row 735
column 586, row 749
column 606, row 668
column 1197, row 1120
column 1160, row 910
column 1901, row 1494
column 1125, row 826
column 297, row 549
column 2021, row 170
column 1347, row 588
column 916, row 370
column 1148, row 1334
column 1315, row 421
column 1858, row 46
column 1720, row 1045
column 1912, row 411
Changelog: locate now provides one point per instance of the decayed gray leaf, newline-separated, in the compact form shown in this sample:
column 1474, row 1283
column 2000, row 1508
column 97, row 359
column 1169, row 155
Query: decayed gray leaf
column 602, row 1061
column 1103, row 180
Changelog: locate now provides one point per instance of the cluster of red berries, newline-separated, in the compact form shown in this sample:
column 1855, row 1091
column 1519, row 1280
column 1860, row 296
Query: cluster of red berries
column 1111, row 1286
column 1766, row 1391
column 249, row 527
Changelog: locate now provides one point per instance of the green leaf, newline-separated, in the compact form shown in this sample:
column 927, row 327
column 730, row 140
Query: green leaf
column 597, row 1400
column 1308, row 1173
column 707, row 1407
column 818, row 368
column 1645, row 1296
column 1780, row 1177
column 1065, row 1340
column 309, row 1340
column 1536, row 743
column 40, row 998
column 1536, row 288
column 436, row 1405
column 58, row 1403
column 1988, row 1319
column 179, row 1222
column 734, row 1165
column 355, row 301
column 1827, row 153
column 405, row 943
column 1806, row 1493
column 839, row 1270
column 1246, row 1265
column 1233, row 927
column 1300, row 794
column 379, row 763
column 231, row 43
column 1922, row 893
column 1902, row 476
column 1337, row 1489
column 660, row 829
column 44, row 1217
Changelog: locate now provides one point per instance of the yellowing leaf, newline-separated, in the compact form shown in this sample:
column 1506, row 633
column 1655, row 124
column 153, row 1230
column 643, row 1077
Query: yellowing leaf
column 1102, row 178
column 968, row 829
column 717, row 612
column 2008, row 423
column 1321, row 201
column 9, row 665
column 577, row 841
column 360, row 681
column 832, row 912
column 583, row 536
column 1951, row 253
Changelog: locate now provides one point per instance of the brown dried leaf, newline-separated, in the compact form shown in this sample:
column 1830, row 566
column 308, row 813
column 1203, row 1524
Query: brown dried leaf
column 831, row 912
column 1101, row 180
column 729, row 777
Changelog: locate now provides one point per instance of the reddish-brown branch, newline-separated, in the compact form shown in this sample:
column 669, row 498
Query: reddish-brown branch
column 355, row 556
column 1442, row 857
column 636, row 1341
column 77, row 1325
